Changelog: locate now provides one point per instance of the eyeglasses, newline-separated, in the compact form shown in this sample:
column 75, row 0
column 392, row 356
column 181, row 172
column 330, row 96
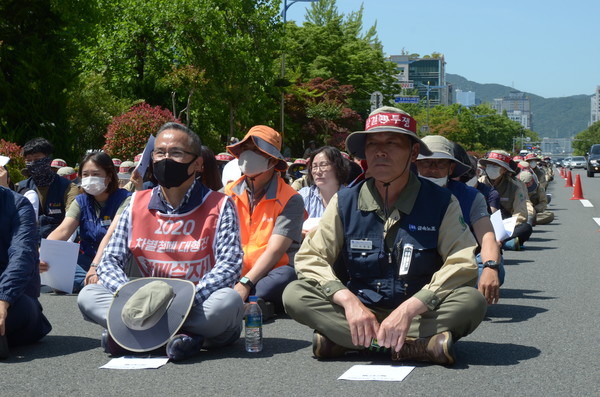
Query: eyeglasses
column 175, row 154
column 434, row 164
column 321, row 166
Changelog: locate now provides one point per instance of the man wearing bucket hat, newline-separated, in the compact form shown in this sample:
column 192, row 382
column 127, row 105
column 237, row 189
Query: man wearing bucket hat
column 534, row 162
column 178, row 230
column 391, row 265
column 513, row 195
column 271, row 215
column 538, row 198
column 442, row 168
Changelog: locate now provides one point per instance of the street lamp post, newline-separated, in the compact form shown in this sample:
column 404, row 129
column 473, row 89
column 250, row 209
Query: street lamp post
column 429, row 88
column 286, row 5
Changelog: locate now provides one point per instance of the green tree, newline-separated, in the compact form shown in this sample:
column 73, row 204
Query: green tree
column 318, row 110
column 144, row 48
column 586, row 138
column 333, row 45
column 36, row 68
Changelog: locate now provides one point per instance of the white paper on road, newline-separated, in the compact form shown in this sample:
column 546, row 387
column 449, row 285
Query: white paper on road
column 503, row 228
column 387, row 373
column 136, row 363
column 146, row 157
column 61, row 257
column 4, row 160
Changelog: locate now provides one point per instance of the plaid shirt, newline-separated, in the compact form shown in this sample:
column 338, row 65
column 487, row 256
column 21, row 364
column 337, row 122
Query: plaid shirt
column 228, row 248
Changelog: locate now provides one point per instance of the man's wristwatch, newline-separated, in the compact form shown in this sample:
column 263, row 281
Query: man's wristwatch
column 492, row 265
column 246, row 281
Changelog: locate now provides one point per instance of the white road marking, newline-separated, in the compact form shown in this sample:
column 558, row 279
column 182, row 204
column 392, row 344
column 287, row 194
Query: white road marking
column 597, row 220
column 586, row 203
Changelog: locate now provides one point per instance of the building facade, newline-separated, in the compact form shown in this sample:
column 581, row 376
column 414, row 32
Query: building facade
column 517, row 107
column 595, row 101
column 425, row 75
column 465, row 98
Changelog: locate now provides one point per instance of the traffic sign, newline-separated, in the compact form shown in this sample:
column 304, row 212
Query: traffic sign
column 406, row 99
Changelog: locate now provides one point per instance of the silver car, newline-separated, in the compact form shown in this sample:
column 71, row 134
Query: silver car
column 577, row 162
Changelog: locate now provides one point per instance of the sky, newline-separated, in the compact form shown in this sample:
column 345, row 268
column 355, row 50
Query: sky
column 548, row 48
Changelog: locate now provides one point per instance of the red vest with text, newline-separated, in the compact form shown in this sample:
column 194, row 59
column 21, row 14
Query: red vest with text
column 174, row 245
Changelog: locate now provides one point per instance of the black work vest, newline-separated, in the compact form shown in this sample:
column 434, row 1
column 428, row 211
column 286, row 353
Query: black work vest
column 372, row 271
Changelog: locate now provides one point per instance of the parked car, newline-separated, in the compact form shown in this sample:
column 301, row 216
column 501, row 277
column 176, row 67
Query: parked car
column 566, row 162
column 593, row 160
column 577, row 162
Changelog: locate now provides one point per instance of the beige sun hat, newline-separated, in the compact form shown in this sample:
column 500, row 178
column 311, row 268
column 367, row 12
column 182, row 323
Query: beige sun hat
column 442, row 148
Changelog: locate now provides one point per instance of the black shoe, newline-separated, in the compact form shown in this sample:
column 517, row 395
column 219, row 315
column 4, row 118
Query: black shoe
column 183, row 346
column 267, row 309
column 111, row 347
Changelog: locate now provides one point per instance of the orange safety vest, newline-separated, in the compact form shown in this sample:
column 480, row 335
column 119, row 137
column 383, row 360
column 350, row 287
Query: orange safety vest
column 256, row 228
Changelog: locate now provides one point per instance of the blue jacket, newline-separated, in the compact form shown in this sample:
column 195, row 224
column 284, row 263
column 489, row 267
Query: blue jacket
column 92, row 228
column 19, row 258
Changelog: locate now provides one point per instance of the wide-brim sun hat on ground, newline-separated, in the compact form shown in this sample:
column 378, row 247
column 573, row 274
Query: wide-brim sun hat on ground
column 498, row 157
column 146, row 312
column 385, row 119
column 267, row 140
column 442, row 148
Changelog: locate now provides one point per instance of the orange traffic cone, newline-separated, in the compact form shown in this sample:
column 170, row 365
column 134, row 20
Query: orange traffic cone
column 569, row 180
column 577, row 193
column 562, row 172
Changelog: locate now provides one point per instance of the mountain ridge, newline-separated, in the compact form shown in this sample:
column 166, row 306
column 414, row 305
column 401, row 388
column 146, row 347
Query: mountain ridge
column 561, row 117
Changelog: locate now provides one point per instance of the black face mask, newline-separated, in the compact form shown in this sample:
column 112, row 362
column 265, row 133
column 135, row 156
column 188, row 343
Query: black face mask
column 170, row 173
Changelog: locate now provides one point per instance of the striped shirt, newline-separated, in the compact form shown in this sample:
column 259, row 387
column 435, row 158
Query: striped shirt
column 228, row 249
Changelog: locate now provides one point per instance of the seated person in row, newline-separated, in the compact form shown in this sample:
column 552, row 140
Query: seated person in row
column 271, row 214
column 55, row 192
column 442, row 168
column 513, row 195
column 391, row 264
column 92, row 211
column 179, row 229
column 21, row 318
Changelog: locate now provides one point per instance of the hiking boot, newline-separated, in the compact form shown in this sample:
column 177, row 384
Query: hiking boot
column 183, row 346
column 437, row 349
column 111, row 347
column 324, row 348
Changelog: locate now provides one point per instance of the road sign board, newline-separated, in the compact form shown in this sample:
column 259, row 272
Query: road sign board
column 406, row 99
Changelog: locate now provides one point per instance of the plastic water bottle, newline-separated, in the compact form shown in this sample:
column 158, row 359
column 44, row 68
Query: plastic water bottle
column 253, row 326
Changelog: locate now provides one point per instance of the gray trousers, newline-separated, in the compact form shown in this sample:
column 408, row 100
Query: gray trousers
column 218, row 319
column 460, row 313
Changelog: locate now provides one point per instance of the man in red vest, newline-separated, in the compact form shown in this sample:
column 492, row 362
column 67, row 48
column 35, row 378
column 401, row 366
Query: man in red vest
column 271, row 216
column 179, row 229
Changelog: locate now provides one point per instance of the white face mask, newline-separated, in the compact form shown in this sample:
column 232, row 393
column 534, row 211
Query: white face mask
column 492, row 171
column 252, row 163
column 533, row 164
column 438, row 181
column 472, row 182
column 93, row 185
